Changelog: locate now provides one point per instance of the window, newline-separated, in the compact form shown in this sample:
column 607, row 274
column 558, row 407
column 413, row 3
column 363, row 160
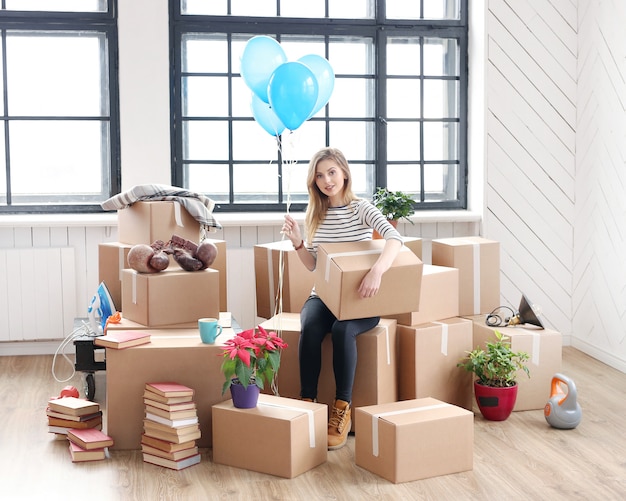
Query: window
column 58, row 127
column 398, row 109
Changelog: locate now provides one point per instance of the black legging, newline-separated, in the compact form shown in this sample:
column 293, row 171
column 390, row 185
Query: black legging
column 317, row 321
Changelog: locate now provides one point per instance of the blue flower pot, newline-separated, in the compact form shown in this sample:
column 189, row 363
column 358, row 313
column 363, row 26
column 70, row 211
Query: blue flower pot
column 244, row 398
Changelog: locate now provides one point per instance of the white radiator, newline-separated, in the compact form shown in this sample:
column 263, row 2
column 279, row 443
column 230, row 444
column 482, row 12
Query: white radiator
column 37, row 293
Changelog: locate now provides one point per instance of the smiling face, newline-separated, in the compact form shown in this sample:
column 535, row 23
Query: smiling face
column 330, row 180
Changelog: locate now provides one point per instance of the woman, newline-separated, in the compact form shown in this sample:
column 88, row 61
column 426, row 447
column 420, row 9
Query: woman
column 335, row 214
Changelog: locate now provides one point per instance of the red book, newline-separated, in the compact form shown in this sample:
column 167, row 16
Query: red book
column 89, row 438
column 119, row 340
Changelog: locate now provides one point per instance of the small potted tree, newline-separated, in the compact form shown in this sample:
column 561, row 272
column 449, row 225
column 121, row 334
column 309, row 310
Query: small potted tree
column 496, row 369
column 394, row 205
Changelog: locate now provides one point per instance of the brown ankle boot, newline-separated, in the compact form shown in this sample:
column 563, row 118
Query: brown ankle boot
column 339, row 424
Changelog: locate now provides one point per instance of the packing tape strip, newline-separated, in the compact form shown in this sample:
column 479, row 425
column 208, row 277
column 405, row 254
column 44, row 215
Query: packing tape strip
column 333, row 255
column 387, row 344
column 444, row 338
column 376, row 417
column 308, row 412
column 270, row 278
column 536, row 345
column 122, row 262
column 476, row 269
column 177, row 215
column 134, row 288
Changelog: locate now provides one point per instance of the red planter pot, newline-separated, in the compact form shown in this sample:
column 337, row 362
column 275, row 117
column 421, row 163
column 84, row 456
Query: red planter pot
column 495, row 404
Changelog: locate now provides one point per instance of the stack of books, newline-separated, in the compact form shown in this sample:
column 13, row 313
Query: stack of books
column 69, row 413
column 170, row 426
column 88, row 444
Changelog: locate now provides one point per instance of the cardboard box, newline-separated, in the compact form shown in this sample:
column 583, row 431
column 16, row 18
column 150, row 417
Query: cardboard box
column 478, row 261
column 414, row 439
column 544, row 346
column 439, row 297
column 294, row 431
column 414, row 244
column 341, row 268
column 112, row 259
column 297, row 280
column 145, row 222
column 220, row 264
column 427, row 358
column 172, row 355
column 172, row 296
column 375, row 380
column 225, row 320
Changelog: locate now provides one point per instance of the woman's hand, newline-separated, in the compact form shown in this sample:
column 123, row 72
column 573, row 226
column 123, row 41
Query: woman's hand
column 292, row 229
column 370, row 284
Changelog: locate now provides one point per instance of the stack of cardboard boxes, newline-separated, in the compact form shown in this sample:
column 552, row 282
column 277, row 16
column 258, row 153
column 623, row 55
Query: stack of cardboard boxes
column 407, row 365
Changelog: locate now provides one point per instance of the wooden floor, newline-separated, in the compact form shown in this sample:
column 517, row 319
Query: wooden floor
column 521, row 458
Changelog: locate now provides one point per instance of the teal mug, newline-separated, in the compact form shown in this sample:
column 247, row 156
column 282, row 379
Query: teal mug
column 209, row 330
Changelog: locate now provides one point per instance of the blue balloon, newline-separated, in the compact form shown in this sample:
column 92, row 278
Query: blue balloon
column 325, row 76
column 261, row 56
column 292, row 93
column 265, row 116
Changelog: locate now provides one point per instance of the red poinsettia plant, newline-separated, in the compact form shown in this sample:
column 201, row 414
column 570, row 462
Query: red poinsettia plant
column 252, row 357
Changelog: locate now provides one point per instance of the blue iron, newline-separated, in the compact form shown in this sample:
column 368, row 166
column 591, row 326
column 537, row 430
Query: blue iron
column 100, row 309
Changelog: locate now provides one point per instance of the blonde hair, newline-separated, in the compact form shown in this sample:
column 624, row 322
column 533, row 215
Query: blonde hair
column 318, row 202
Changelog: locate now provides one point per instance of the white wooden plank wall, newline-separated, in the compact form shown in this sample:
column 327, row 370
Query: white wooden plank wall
column 531, row 146
column 599, row 264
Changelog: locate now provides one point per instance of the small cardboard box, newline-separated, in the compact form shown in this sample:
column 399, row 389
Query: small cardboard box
column 225, row 320
column 297, row 281
column 112, row 259
column 544, row 346
column 220, row 264
column 294, row 431
column 145, row 222
column 427, row 358
column 375, row 381
column 478, row 261
column 341, row 268
column 439, row 296
column 172, row 355
column 172, row 296
column 415, row 244
column 414, row 439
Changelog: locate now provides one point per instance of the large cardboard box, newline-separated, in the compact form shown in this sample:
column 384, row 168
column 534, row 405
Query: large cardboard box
column 225, row 320
column 427, row 358
column 375, row 380
column 297, row 280
column 478, row 261
column 145, row 222
column 341, row 268
column 112, row 259
column 414, row 244
column 172, row 296
column 294, row 431
column 544, row 346
column 220, row 264
column 439, row 297
column 172, row 355
column 414, row 439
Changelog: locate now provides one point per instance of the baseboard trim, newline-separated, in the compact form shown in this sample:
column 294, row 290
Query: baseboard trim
column 16, row 348
column 599, row 354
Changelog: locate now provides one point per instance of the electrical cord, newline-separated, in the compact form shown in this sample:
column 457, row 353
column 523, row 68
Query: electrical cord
column 82, row 330
column 495, row 320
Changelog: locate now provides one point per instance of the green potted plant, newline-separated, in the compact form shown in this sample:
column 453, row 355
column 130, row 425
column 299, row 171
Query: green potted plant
column 496, row 369
column 394, row 205
column 251, row 360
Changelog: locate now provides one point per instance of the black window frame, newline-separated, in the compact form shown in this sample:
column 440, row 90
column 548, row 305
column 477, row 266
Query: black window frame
column 457, row 29
column 50, row 21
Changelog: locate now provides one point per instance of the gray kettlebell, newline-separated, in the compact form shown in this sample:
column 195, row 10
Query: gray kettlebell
column 562, row 410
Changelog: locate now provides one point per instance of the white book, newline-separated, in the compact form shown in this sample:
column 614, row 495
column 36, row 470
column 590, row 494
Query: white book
column 174, row 423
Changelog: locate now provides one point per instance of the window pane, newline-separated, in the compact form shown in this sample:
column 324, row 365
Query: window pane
column 433, row 9
column 55, row 75
column 298, row 8
column 210, row 179
column 206, row 140
column 440, row 141
column 354, row 9
column 440, row 182
column 301, row 144
column 443, row 99
column 403, row 98
column 441, row 57
column 404, row 177
column 352, row 97
column 252, row 142
column 354, row 139
column 403, row 141
column 253, row 8
column 57, row 157
column 403, row 56
column 351, row 56
column 3, row 180
column 202, row 53
column 362, row 179
column 58, row 5
column 203, row 96
column 254, row 180
column 202, row 7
